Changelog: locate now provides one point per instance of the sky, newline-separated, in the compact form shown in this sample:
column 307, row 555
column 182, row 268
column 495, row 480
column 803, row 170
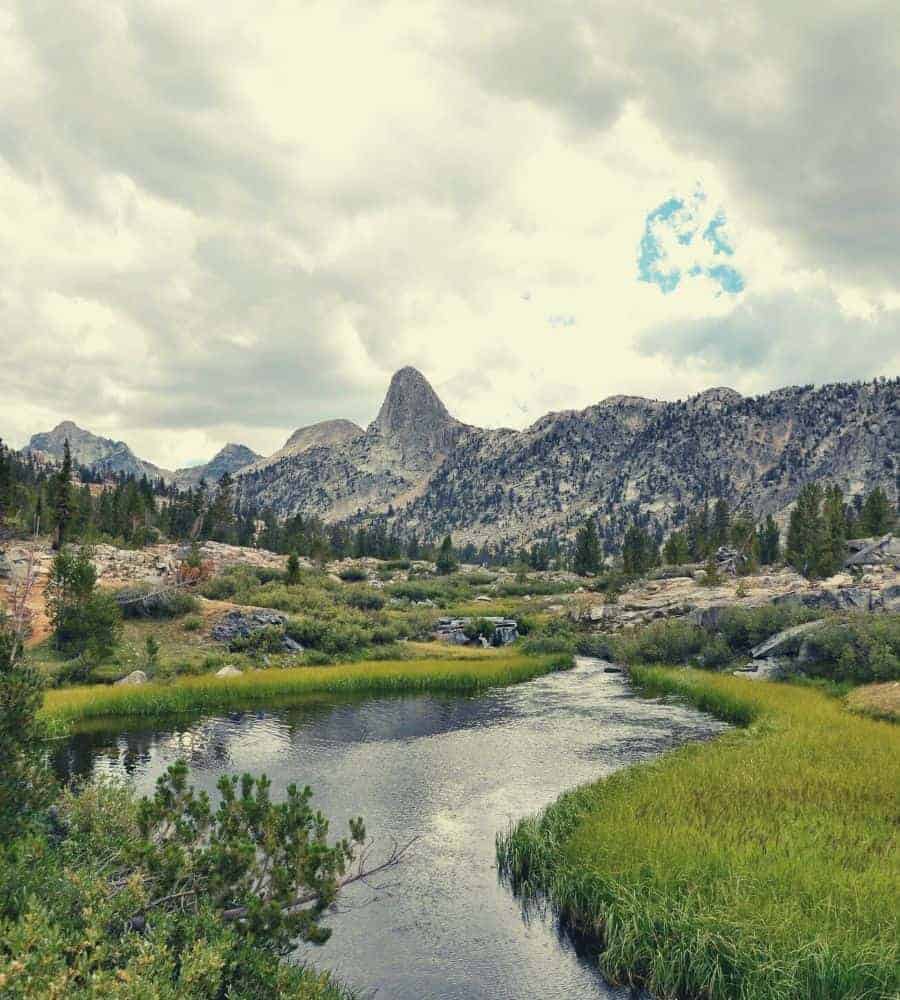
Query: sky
column 220, row 222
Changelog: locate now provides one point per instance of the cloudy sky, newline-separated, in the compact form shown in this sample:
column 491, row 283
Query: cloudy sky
column 221, row 221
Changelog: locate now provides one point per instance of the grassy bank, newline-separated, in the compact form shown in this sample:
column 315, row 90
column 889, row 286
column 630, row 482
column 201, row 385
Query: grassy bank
column 206, row 693
column 763, row 865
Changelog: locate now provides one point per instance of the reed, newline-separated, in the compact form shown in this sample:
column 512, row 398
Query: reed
column 762, row 865
column 261, row 687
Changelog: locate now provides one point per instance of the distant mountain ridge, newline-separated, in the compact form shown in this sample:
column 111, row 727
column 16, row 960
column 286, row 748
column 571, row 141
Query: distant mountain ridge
column 99, row 454
column 230, row 459
column 625, row 458
column 421, row 470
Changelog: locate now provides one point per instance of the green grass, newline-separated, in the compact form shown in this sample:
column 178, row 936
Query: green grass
column 205, row 693
column 762, row 865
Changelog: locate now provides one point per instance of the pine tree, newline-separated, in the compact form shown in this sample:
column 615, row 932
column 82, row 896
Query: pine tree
column 721, row 523
column 63, row 498
column 638, row 551
column 877, row 516
column 446, row 560
column 834, row 547
column 587, row 558
column 768, row 541
column 676, row 550
column 806, row 539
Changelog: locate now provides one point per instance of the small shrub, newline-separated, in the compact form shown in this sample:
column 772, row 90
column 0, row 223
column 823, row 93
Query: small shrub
column 353, row 574
column 264, row 640
column 394, row 564
column 193, row 623
column 148, row 602
column 363, row 598
column 661, row 642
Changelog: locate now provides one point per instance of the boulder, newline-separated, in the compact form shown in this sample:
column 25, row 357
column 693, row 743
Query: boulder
column 708, row 618
column 782, row 641
column 135, row 677
column 229, row 671
column 241, row 623
column 5, row 568
column 881, row 552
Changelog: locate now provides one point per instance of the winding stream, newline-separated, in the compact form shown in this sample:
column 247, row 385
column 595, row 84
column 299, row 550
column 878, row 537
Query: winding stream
column 454, row 770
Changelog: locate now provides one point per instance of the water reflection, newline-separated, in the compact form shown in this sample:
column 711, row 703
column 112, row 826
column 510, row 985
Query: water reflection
column 453, row 770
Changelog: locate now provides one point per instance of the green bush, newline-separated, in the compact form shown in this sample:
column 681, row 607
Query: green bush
column 536, row 587
column 363, row 598
column 264, row 640
column 744, row 628
column 353, row 574
column 337, row 637
column 394, row 564
column 193, row 623
column 146, row 601
column 444, row 591
column 860, row 649
column 674, row 641
column 92, row 628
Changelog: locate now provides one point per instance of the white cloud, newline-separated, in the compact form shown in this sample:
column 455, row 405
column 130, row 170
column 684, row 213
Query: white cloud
column 223, row 226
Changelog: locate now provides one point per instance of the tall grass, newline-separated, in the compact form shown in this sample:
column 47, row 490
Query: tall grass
column 206, row 693
column 763, row 865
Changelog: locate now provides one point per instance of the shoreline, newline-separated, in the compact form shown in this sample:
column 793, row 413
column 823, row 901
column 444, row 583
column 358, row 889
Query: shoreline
column 279, row 687
column 760, row 864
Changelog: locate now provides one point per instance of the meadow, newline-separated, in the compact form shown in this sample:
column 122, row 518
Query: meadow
column 466, row 674
column 763, row 865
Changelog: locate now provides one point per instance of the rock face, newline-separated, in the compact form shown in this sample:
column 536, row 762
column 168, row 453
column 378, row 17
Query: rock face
column 423, row 471
column 232, row 458
column 99, row 454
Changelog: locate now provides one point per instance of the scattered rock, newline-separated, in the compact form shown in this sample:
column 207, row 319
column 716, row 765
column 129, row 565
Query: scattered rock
column 135, row 677
column 229, row 671
column 879, row 552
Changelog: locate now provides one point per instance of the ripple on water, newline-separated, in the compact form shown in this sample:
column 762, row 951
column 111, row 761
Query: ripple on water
column 453, row 770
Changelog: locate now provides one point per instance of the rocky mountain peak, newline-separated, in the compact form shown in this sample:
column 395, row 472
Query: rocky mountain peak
column 409, row 401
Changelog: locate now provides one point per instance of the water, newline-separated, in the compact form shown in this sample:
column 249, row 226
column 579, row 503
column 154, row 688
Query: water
column 452, row 770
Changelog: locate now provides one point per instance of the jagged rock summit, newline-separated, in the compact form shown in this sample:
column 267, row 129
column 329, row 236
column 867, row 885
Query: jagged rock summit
column 100, row 454
column 412, row 417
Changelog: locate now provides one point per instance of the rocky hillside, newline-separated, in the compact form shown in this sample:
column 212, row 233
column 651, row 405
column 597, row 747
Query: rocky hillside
column 100, row 454
column 231, row 459
column 623, row 457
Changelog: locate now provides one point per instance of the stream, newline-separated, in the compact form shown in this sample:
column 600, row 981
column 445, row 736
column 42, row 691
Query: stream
column 452, row 770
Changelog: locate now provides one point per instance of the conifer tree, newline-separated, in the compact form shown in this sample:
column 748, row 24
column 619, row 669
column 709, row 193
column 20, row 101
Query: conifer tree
column 446, row 560
column 63, row 498
column 768, row 541
column 877, row 516
column 587, row 559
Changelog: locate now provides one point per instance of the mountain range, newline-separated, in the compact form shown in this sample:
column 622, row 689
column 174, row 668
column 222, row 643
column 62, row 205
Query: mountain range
column 422, row 470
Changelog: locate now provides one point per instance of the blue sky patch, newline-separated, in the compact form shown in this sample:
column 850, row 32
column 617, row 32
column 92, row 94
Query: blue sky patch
column 682, row 238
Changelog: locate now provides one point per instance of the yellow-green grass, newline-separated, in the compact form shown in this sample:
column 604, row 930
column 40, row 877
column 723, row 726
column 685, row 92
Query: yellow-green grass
column 762, row 865
column 274, row 686
column 881, row 701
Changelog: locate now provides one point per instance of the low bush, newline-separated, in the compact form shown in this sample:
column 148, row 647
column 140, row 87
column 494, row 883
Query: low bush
column 353, row 574
column 264, row 640
column 148, row 601
column 363, row 598
column 673, row 641
column 536, row 587
column 193, row 623
column 445, row 591
column 859, row 648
